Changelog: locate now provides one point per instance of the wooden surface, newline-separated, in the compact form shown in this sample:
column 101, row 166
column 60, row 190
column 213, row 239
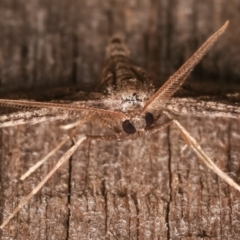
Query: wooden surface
column 150, row 188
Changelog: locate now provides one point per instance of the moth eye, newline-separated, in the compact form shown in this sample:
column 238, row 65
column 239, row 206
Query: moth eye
column 128, row 127
column 149, row 119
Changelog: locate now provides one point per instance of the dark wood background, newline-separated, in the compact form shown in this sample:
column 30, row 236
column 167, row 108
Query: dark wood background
column 151, row 188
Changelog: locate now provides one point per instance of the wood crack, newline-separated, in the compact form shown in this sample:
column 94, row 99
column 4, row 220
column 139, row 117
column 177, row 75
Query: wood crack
column 168, row 210
column 69, row 196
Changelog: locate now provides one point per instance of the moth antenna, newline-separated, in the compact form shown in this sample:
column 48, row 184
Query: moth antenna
column 24, row 104
column 177, row 79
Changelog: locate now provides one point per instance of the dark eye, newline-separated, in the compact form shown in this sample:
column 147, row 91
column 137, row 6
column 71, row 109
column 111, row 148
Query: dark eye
column 149, row 119
column 128, row 127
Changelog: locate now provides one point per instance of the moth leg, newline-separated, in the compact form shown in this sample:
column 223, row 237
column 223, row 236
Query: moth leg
column 197, row 149
column 121, row 136
column 203, row 156
column 43, row 160
column 14, row 121
column 70, row 125
column 61, row 161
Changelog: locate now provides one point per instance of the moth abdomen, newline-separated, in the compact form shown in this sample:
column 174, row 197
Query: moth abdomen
column 117, row 47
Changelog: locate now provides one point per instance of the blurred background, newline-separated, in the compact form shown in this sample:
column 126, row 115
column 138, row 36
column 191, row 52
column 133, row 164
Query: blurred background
column 55, row 43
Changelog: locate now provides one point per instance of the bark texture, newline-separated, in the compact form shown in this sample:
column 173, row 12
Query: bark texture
column 150, row 188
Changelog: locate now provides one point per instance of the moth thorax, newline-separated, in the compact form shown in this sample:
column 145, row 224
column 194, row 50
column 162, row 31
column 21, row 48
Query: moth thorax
column 139, row 122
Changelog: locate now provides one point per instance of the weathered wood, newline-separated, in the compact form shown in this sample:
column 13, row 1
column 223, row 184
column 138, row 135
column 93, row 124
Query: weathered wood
column 150, row 188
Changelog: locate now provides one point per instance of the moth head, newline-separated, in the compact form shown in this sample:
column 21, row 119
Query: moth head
column 130, row 126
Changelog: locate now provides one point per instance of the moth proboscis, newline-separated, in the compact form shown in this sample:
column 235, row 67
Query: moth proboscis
column 126, row 102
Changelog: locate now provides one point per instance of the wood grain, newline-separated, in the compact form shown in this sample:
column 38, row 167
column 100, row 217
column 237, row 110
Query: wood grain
column 150, row 188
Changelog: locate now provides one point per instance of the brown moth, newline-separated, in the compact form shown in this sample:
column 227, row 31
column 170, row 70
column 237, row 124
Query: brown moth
column 126, row 102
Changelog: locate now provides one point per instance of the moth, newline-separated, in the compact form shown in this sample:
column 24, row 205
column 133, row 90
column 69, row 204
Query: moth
column 126, row 102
